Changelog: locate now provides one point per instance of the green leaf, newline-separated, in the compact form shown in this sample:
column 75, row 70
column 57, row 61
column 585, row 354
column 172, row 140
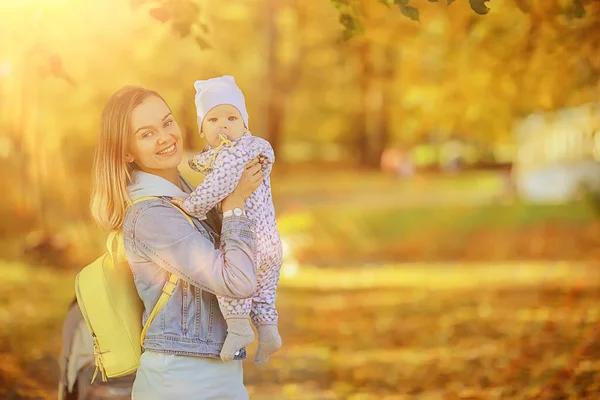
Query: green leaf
column 579, row 9
column 339, row 3
column 401, row 3
column 203, row 44
column 479, row 6
column 347, row 21
column 433, row 1
column 352, row 25
column 410, row 12
column 576, row 10
column 523, row 5
column 449, row 2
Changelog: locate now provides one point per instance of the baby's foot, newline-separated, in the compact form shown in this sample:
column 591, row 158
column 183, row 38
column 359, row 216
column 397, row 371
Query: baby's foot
column 269, row 342
column 239, row 335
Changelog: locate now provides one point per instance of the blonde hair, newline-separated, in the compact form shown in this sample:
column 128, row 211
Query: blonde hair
column 111, row 174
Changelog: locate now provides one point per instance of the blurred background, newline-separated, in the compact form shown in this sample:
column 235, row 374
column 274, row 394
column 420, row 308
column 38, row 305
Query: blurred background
column 436, row 182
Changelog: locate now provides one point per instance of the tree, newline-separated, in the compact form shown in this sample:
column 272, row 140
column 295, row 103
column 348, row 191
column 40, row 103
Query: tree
column 352, row 21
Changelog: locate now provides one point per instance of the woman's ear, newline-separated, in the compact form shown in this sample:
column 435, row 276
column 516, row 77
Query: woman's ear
column 129, row 158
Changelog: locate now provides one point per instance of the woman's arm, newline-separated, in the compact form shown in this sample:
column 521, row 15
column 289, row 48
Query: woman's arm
column 217, row 184
column 164, row 236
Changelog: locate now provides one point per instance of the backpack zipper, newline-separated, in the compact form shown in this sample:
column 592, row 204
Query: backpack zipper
column 97, row 352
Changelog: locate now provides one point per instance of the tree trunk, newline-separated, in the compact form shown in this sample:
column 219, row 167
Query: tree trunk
column 275, row 104
column 371, row 118
column 190, row 129
column 389, row 77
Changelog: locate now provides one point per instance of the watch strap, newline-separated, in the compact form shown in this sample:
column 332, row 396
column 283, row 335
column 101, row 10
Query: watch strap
column 230, row 213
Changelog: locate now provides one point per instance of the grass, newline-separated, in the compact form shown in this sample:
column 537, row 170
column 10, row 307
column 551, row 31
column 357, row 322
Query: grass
column 34, row 302
column 419, row 331
column 400, row 331
column 446, row 333
column 302, row 187
column 382, row 223
column 442, row 276
column 333, row 235
column 324, row 181
column 32, row 298
column 343, row 216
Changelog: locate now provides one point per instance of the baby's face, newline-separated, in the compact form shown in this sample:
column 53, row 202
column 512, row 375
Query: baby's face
column 225, row 119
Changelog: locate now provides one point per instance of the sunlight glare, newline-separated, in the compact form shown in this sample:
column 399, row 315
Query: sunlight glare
column 290, row 269
column 290, row 266
column 5, row 69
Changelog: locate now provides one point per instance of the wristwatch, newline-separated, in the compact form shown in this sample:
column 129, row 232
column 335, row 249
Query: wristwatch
column 238, row 212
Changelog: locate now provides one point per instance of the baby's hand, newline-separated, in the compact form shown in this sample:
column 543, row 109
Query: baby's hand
column 178, row 201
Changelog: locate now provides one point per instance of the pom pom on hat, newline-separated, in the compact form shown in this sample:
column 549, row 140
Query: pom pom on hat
column 216, row 91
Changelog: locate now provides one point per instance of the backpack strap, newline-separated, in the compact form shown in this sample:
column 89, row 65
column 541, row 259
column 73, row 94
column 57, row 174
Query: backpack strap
column 156, row 197
column 169, row 286
column 167, row 291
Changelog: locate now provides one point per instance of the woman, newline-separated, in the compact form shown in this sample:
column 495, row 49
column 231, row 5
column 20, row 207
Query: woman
column 139, row 150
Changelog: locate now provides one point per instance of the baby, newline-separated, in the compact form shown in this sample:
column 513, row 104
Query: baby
column 223, row 122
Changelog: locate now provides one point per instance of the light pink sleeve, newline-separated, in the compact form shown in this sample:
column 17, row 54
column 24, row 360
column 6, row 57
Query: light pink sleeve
column 227, row 169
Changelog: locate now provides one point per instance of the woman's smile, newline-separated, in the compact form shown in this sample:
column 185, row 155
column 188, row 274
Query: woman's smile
column 168, row 151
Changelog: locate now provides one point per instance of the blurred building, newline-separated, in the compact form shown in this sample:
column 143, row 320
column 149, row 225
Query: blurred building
column 558, row 154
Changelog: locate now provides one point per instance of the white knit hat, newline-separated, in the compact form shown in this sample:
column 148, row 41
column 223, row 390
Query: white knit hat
column 216, row 91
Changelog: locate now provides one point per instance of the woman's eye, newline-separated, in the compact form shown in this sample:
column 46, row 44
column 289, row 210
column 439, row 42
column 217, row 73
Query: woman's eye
column 146, row 134
column 232, row 118
column 213, row 119
column 168, row 123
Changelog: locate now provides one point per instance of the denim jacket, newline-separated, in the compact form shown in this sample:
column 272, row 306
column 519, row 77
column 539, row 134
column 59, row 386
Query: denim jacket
column 159, row 240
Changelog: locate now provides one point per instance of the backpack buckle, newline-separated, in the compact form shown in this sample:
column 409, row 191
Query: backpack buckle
column 169, row 288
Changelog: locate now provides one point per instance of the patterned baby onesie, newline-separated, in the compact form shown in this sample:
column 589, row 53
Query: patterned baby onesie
column 221, row 178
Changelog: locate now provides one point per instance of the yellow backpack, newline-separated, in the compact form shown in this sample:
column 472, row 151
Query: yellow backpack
column 112, row 308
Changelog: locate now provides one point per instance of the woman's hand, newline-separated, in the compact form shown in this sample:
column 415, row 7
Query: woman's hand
column 251, row 179
column 178, row 201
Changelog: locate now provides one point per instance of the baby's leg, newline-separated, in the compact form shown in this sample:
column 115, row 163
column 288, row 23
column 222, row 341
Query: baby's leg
column 264, row 314
column 239, row 331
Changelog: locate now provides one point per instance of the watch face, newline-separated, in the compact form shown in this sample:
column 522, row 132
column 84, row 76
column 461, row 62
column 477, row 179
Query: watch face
column 237, row 212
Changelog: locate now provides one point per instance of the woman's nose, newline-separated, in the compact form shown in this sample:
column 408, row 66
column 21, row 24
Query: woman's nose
column 163, row 136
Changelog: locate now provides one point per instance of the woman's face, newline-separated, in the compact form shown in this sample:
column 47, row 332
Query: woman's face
column 156, row 142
